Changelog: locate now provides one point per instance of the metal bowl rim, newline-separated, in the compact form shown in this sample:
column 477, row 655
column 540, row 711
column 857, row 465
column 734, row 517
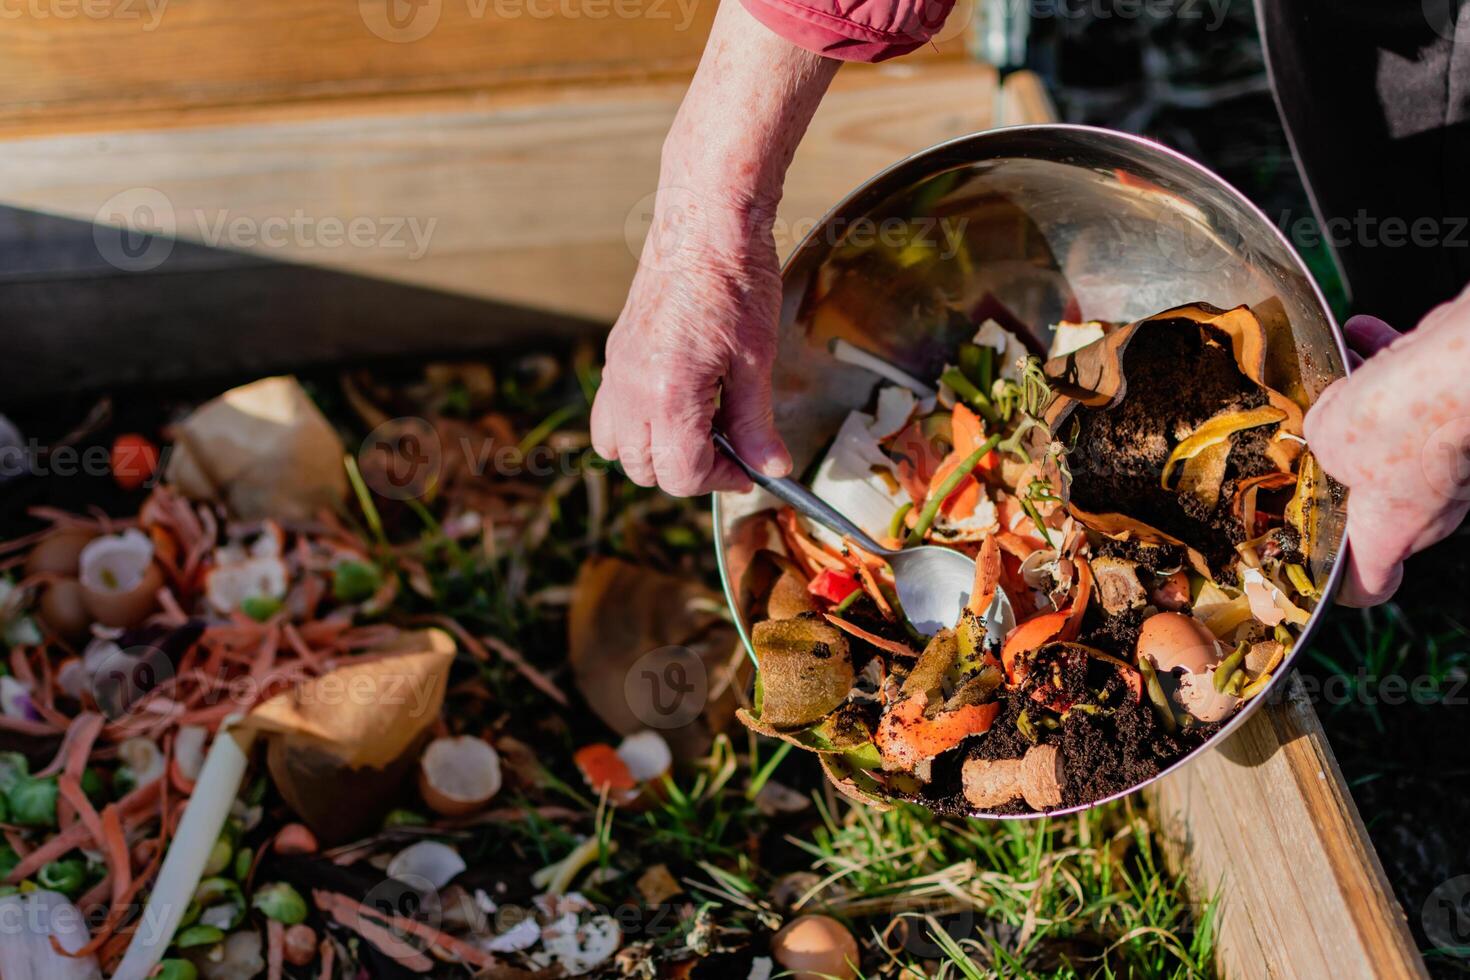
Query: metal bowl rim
column 1334, row 578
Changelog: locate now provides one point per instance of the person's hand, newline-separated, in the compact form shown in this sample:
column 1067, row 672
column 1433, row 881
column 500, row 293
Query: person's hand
column 693, row 347
column 695, row 341
column 1397, row 433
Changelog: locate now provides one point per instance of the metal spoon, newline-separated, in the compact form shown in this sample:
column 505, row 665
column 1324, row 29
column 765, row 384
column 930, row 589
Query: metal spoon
column 934, row 583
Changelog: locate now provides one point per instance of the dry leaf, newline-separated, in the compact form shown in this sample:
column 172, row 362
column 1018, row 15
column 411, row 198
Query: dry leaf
column 264, row 450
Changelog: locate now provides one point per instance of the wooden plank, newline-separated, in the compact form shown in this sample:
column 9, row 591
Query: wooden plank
column 76, row 64
column 534, row 206
column 513, row 203
column 1267, row 820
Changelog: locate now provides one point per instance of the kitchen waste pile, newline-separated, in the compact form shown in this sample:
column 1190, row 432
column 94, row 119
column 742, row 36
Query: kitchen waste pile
column 386, row 675
column 1144, row 498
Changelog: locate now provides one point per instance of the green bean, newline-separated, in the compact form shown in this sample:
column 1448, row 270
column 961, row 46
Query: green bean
column 1156, row 695
column 931, row 506
column 966, row 389
column 1227, row 668
column 895, row 526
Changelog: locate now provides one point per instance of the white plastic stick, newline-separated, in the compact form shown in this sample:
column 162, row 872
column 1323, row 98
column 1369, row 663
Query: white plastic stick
column 204, row 818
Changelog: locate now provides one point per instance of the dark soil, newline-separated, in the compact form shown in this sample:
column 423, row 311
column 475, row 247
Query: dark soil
column 1180, row 375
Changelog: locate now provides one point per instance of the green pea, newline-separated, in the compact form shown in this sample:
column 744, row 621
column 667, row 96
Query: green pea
column 243, row 859
column 281, row 902
column 198, row 936
column 176, row 969
column 260, row 607
column 65, row 876
column 219, row 856
column 32, row 802
column 92, row 785
column 354, row 581
column 222, row 901
column 13, row 768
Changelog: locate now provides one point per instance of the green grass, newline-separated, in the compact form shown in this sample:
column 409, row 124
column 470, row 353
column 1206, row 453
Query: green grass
column 1085, row 896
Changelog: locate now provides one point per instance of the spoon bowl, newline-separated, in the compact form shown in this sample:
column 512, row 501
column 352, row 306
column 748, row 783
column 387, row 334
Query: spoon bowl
column 933, row 582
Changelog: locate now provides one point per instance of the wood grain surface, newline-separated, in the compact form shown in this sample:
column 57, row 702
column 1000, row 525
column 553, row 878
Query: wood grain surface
column 111, row 64
column 1266, row 821
column 475, row 219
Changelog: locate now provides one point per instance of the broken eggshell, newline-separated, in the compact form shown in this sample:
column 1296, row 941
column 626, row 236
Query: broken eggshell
column 1182, row 647
column 816, row 947
column 459, row 775
column 119, row 578
column 1036, row 777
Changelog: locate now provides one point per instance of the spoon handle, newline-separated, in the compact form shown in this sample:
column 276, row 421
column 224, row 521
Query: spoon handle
column 806, row 503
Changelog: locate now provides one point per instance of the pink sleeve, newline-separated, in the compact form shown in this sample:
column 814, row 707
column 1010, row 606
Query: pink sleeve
column 853, row 30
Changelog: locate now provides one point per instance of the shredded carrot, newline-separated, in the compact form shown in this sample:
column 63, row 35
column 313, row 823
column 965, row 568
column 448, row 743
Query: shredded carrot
column 870, row 586
column 345, row 912
column 1073, row 625
column 805, row 550
column 892, row 646
column 327, row 952
column 987, row 576
column 332, row 903
column 275, row 946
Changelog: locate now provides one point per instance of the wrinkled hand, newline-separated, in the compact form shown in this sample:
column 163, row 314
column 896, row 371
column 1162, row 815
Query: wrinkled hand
column 1397, row 433
column 692, row 348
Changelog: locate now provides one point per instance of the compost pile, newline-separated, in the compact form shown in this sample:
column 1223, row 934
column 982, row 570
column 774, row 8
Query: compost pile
column 1145, row 500
column 335, row 622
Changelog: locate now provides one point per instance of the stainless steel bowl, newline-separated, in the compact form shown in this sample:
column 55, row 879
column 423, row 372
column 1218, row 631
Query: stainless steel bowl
column 1052, row 222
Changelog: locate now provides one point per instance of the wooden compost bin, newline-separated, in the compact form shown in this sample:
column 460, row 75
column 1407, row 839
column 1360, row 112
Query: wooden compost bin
column 528, row 146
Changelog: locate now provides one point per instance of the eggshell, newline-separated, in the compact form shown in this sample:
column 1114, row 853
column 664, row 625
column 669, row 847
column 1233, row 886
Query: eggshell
column 58, row 553
column 816, row 947
column 459, row 775
column 119, row 578
column 991, row 782
column 126, row 609
column 1041, row 777
column 1172, row 640
column 64, row 609
column 1197, row 695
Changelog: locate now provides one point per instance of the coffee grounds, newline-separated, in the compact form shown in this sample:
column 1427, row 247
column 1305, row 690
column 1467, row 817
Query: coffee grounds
column 1179, row 375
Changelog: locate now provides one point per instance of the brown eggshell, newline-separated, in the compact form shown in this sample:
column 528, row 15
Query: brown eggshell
column 1172, row 640
column 1041, row 777
column 991, row 782
column 58, row 552
column 64, row 609
column 816, row 947
column 459, row 775
column 1197, row 695
column 126, row 609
